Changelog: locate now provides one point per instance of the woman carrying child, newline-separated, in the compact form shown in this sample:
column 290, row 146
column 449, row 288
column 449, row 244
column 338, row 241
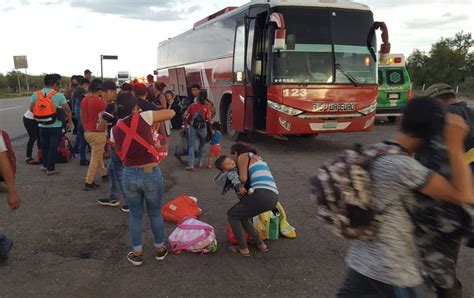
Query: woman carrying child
column 262, row 196
column 141, row 177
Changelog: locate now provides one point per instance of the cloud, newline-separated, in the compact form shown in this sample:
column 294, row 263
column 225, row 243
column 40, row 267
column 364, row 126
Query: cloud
column 149, row 10
column 435, row 23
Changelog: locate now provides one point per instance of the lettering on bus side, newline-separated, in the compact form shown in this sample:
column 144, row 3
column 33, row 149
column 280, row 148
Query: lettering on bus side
column 334, row 107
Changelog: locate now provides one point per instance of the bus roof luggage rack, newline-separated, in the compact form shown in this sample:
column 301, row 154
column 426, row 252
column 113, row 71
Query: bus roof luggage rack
column 213, row 16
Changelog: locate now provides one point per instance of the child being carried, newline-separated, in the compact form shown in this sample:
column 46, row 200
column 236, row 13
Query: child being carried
column 229, row 176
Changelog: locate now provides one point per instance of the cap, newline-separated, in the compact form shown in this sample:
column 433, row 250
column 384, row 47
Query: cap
column 439, row 89
column 87, row 71
column 108, row 85
column 140, row 89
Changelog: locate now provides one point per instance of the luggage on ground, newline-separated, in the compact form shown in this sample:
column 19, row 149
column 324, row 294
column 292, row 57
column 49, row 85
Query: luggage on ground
column 180, row 208
column 10, row 153
column 194, row 236
column 341, row 189
column 64, row 151
column 231, row 237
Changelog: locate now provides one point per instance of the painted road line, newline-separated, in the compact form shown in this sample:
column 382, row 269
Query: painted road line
column 12, row 108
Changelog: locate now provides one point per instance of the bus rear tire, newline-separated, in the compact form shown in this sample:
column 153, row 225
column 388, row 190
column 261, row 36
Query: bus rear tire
column 229, row 130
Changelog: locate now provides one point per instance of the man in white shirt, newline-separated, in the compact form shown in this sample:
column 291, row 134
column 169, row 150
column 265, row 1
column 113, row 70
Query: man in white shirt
column 13, row 198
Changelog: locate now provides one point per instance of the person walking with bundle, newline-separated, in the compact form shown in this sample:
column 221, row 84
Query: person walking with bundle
column 385, row 262
column 142, row 180
column 196, row 118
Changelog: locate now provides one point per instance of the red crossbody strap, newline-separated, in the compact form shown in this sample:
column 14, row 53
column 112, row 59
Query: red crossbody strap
column 131, row 134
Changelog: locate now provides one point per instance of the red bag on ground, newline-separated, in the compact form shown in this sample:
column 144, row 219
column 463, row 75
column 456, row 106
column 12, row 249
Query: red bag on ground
column 231, row 236
column 10, row 153
column 180, row 208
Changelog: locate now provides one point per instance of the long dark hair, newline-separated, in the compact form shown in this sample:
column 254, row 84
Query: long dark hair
column 126, row 103
column 423, row 118
column 241, row 147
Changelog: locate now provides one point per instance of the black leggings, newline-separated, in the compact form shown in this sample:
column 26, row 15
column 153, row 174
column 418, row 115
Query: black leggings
column 32, row 128
column 240, row 216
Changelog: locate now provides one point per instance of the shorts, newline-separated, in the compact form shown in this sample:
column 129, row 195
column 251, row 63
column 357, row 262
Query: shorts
column 215, row 151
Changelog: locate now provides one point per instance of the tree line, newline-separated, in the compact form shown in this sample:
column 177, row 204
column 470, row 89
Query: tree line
column 450, row 60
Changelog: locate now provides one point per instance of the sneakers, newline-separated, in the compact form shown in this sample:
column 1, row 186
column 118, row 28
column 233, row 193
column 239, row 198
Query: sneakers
column 84, row 163
column 53, row 172
column 189, row 169
column 91, row 186
column 105, row 178
column 161, row 254
column 138, row 260
column 108, row 202
column 125, row 208
column 135, row 260
column 43, row 169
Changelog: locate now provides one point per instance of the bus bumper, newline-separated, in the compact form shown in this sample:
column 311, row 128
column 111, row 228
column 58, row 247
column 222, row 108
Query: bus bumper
column 389, row 112
column 279, row 123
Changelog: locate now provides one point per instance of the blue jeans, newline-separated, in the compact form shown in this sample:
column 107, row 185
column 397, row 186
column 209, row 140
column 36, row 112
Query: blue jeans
column 80, row 143
column 201, row 135
column 141, row 188
column 114, row 171
column 5, row 245
column 49, row 146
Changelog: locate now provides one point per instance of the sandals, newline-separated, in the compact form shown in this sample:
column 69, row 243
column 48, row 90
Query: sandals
column 260, row 249
column 236, row 250
column 31, row 161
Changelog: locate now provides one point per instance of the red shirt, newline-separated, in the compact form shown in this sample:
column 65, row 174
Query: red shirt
column 91, row 107
column 137, row 155
column 205, row 110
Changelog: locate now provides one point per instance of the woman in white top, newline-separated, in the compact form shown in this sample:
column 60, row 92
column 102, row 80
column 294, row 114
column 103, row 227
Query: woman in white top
column 32, row 128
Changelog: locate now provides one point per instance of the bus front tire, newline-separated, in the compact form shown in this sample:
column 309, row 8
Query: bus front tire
column 229, row 130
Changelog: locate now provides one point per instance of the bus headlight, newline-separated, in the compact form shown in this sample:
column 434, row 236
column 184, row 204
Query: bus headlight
column 369, row 109
column 284, row 109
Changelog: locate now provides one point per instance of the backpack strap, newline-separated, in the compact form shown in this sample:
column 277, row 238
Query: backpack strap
column 131, row 134
column 40, row 94
column 51, row 94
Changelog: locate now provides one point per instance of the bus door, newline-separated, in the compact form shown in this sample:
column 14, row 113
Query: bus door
column 239, row 85
column 247, row 93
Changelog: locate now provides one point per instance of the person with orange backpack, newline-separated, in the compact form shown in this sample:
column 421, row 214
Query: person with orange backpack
column 51, row 110
column 8, row 174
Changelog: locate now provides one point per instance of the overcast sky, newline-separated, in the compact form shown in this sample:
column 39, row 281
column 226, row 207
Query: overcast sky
column 68, row 36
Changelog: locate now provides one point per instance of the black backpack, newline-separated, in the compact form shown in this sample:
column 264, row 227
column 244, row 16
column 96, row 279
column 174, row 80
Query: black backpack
column 199, row 122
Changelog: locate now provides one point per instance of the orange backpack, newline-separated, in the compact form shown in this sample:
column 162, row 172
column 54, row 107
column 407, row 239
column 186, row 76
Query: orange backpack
column 44, row 109
column 180, row 208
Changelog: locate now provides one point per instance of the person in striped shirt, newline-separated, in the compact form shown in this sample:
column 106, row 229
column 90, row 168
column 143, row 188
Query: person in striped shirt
column 262, row 196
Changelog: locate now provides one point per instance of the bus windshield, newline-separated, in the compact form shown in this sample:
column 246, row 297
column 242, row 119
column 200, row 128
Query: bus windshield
column 325, row 46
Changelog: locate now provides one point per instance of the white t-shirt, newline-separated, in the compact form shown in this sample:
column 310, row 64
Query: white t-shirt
column 29, row 115
column 3, row 147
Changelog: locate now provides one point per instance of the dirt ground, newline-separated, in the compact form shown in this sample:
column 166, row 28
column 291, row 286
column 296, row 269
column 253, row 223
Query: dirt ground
column 68, row 246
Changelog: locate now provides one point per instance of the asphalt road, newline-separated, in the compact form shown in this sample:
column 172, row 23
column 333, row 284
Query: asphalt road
column 66, row 245
column 11, row 115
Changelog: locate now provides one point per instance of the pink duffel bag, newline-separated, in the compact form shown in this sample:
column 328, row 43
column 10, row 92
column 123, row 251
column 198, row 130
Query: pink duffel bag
column 194, row 236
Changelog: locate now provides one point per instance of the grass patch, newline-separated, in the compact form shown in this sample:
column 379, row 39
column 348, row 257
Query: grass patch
column 14, row 95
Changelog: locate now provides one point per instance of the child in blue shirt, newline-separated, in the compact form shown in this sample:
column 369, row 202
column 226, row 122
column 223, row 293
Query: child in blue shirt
column 215, row 150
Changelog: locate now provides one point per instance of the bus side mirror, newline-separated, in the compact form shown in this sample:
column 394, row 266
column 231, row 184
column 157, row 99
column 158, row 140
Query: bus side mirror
column 280, row 39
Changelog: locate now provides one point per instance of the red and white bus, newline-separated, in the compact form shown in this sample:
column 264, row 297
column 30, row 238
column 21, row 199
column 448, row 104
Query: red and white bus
column 281, row 67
